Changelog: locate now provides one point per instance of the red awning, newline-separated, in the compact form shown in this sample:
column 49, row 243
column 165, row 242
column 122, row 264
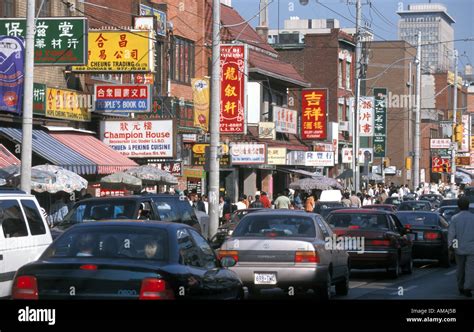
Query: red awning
column 7, row 158
column 108, row 160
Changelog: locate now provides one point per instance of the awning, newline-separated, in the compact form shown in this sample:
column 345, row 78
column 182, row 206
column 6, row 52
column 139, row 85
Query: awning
column 108, row 160
column 54, row 151
column 7, row 158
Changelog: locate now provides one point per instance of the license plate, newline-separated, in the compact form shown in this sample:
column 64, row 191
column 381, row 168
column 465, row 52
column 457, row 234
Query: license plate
column 265, row 279
column 419, row 235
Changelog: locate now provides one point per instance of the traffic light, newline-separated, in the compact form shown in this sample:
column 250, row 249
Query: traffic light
column 408, row 163
column 459, row 129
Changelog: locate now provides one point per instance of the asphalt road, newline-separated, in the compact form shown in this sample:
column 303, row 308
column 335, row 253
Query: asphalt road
column 427, row 282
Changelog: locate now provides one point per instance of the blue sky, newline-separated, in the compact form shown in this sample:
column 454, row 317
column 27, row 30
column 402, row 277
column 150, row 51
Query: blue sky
column 461, row 10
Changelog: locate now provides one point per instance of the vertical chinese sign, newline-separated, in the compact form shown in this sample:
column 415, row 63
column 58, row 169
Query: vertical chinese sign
column 201, row 102
column 314, row 114
column 380, row 123
column 233, row 60
column 58, row 40
column 366, row 116
column 12, row 58
column 466, row 122
column 39, row 99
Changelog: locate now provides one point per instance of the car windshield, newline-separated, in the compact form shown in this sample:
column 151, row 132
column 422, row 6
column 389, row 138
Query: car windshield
column 110, row 242
column 413, row 205
column 100, row 210
column 172, row 209
column 358, row 221
column 418, row 219
column 275, row 226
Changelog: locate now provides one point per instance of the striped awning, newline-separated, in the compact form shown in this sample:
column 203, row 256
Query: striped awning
column 54, row 151
column 7, row 158
column 107, row 159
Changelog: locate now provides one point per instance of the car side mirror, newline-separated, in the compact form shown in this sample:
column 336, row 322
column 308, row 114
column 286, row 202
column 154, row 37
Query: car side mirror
column 228, row 262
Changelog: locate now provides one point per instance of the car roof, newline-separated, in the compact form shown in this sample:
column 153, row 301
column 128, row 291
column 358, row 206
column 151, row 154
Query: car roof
column 284, row 212
column 420, row 200
column 379, row 205
column 129, row 197
column 132, row 223
column 417, row 212
column 360, row 211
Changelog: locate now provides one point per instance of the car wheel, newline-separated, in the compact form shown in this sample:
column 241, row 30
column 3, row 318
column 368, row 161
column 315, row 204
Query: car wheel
column 395, row 271
column 324, row 291
column 342, row 287
column 445, row 260
column 408, row 268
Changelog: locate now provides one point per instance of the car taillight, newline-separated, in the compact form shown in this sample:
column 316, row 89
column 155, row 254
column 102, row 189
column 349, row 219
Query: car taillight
column 155, row 289
column 354, row 227
column 380, row 242
column 90, row 267
column 229, row 253
column 408, row 226
column 306, row 257
column 432, row 236
column 25, row 288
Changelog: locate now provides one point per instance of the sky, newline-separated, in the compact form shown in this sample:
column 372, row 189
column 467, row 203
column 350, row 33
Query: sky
column 382, row 17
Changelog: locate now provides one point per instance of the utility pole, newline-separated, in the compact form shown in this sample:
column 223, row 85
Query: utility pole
column 416, row 161
column 27, row 123
column 214, row 125
column 455, row 108
column 355, row 143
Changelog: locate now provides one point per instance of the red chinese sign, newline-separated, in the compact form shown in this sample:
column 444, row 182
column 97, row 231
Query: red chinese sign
column 440, row 165
column 233, row 78
column 314, row 114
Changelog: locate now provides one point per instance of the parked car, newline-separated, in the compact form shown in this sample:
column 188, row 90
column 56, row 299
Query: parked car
column 325, row 212
column 450, row 210
column 434, row 199
column 25, row 234
column 226, row 230
column 382, row 207
column 319, row 207
column 279, row 249
column 160, row 207
column 127, row 260
column 386, row 244
column 410, row 197
column 415, row 206
column 429, row 235
column 448, row 202
column 393, row 201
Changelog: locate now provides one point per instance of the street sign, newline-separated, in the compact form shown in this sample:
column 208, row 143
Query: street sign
column 59, row 41
column 380, row 123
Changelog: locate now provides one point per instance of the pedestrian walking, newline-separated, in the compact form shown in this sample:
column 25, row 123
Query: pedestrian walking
column 461, row 239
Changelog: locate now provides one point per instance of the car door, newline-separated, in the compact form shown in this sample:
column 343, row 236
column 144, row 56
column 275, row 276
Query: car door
column 198, row 284
column 223, row 282
column 403, row 239
column 336, row 258
column 16, row 243
column 39, row 231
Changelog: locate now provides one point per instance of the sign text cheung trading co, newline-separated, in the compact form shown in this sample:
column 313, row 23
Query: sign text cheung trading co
column 140, row 138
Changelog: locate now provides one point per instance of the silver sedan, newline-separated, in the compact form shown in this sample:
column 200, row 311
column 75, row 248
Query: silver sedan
column 286, row 249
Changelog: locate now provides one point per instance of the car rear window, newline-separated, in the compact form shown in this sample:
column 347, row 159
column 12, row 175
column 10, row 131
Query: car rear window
column 358, row 221
column 275, row 226
column 173, row 209
column 101, row 210
column 113, row 242
column 414, row 206
column 418, row 219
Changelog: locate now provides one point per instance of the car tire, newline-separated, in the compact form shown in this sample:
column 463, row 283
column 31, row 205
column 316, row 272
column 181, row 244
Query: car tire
column 408, row 267
column 323, row 292
column 342, row 287
column 395, row 271
column 445, row 260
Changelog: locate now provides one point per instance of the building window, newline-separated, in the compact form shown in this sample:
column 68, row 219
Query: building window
column 7, row 8
column 45, row 9
column 348, row 112
column 348, row 75
column 340, row 110
column 182, row 60
column 339, row 73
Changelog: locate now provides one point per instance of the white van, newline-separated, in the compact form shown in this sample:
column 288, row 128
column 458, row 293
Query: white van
column 24, row 235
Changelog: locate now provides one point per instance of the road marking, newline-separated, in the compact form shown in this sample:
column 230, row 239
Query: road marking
column 450, row 272
column 404, row 289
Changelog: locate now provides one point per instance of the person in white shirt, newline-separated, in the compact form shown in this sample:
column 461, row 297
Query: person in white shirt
column 240, row 204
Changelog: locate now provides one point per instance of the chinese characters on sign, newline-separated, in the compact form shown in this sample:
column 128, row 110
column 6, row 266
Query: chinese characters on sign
column 67, row 104
column 314, row 114
column 276, row 156
column 286, row 120
column 58, row 41
column 39, row 99
column 380, row 123
column 440, row 165
column 172, row 167
column 346, row 155
column 122, row 98
column 233, row 80
column 366, row 116
column 201, row 102
column 248, row 153
column 200, row 156
column 319, row 159
column 118, row 51
column 440, row 143
column 466, row 121
column 139, row 138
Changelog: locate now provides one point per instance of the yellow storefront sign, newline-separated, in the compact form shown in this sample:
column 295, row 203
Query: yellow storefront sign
column 201, row 102
column 201, row 148
column 67, row 104
column 276, row 156
column 119, row 51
